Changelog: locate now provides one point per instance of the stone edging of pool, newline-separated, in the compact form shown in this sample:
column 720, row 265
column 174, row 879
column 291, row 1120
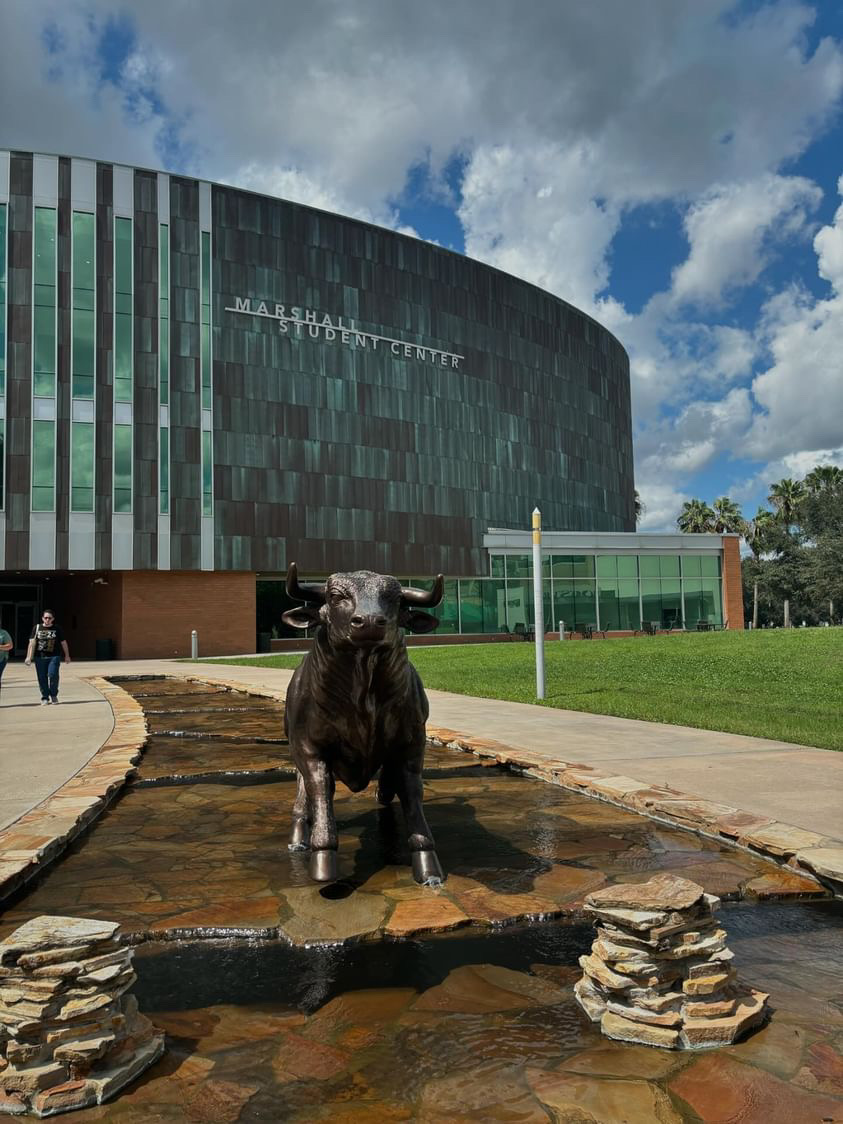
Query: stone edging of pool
column 30, row 844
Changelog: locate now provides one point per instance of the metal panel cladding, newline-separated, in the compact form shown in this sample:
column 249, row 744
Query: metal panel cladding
column 379, row 402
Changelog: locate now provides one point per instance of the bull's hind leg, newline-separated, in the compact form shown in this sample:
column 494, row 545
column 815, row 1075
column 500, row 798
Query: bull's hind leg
column 426, row 868
column 387, row 785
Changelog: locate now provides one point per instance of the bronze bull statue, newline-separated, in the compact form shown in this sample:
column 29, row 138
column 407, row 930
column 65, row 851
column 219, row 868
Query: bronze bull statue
column 356, row 707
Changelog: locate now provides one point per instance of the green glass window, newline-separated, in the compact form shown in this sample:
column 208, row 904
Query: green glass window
column 448, row 611
column 560, row 566
column 44, row 305
column 607, row 596
column 123, row 346
column 164, row 314
column 207, row 474
column 82, row 466
column 164, row 470
column 582, row 566
column 575, row 603
column 629, row 610
column 84, row 284
column 519, row 603
column 627, row 566
column 3, row 210
column 206, row 321
column 648, row 566
column 669, row 565
column 690, row 565
column 519, row 566
column 497, row 565
column 122, row 468
column 607, row 566
column 703, row 601
column 43, row 465
column 2, row 462
column 710, row 566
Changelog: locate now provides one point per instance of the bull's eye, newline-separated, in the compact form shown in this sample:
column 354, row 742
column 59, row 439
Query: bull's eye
column 336, row 596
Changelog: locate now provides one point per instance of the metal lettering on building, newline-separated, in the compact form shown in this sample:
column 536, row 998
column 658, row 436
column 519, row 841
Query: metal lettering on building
column 308, row 323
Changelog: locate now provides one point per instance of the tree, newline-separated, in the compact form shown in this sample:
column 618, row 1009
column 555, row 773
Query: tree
column 727, row 517
column 640, row 509
column 825, row 477
column 758, row 535
column 786, row 496
column 696, row 517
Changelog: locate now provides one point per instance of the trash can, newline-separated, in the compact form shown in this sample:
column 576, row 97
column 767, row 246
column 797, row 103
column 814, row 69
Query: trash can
column 105, row 649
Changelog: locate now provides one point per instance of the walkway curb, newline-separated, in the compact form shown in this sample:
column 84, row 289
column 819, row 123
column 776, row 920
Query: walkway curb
column 813, row 858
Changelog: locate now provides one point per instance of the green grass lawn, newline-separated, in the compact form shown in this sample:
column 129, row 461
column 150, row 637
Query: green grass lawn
column 771, row 684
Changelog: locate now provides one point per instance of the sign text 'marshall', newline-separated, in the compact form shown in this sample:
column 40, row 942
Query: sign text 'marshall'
column 301, row 323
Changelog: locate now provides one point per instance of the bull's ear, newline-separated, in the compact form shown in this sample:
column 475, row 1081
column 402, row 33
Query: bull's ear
column 305, row 616
column 414, row 620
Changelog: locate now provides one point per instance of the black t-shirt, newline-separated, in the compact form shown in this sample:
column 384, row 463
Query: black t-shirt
column 48, row 639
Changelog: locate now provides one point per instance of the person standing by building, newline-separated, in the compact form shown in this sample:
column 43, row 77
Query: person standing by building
column 6, row 645
column 46, row 645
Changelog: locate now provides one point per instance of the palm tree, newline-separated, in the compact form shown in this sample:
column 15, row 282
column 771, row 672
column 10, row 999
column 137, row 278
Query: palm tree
column 785, row 496
column 727, row 517
column 825, row 477
column 695, row 517
column 756, row 532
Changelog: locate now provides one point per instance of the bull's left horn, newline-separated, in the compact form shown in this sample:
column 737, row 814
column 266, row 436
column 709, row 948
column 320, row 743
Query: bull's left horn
column 314, row 593
column 422, row 598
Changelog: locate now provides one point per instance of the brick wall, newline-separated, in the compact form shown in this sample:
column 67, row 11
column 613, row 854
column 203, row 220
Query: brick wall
column 732, row 587
column 160, row 609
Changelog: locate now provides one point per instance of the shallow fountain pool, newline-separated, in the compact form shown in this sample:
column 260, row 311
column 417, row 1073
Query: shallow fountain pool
column 377, row 1000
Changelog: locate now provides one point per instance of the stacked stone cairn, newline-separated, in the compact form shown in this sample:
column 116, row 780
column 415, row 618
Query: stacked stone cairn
column 70, row 1034
column 659, row 972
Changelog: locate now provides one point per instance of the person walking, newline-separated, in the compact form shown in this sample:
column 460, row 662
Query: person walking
column 6, row 645
column 46, row 645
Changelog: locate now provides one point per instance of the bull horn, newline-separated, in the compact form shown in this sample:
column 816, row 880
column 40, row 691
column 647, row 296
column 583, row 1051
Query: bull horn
column 314, row 593
column 424, row 599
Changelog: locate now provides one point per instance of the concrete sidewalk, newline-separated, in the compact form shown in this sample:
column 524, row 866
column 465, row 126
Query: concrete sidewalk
column 41, row 747
column 794, row 784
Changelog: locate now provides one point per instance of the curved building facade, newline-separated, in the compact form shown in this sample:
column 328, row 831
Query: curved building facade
column 200, row 384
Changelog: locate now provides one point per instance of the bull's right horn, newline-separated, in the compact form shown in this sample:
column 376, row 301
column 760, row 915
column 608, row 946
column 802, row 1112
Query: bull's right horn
column 421, row 598
column 314, row 593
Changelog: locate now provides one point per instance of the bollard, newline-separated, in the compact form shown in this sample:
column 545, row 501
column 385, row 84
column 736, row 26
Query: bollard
column 194, row 644
column 561, row 630
column 538, row 602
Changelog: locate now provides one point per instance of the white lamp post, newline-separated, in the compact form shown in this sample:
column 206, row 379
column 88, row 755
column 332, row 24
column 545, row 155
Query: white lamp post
column 538, row 603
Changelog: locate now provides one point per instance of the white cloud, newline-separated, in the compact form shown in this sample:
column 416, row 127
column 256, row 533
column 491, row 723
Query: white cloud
column 730, row 229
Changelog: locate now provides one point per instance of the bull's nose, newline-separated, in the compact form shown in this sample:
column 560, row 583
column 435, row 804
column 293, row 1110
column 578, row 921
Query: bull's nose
column 368, row 622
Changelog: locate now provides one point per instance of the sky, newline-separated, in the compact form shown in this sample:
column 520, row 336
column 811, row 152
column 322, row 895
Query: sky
column 674, row 168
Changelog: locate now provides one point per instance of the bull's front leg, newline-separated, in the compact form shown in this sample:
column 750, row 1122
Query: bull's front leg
column 318, row 781
column 300, row 830
column 426, row 868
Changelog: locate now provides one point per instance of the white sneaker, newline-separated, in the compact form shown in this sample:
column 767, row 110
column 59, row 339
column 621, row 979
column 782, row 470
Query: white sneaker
column 45, row 702
column 55, row 702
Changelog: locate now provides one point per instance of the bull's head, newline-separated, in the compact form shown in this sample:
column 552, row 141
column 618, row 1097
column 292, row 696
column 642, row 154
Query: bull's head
column 362, row 608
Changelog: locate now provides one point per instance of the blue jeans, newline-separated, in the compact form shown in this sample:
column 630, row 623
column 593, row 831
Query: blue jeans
column 2, row 669
column 47, row 670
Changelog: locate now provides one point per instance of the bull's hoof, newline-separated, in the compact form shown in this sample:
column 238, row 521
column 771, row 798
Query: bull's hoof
column 323, row 866
column 298, row 847
column 426, row 868
column 384, row 796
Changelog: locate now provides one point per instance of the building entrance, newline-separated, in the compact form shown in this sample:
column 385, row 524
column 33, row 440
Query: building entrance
column 19, row 614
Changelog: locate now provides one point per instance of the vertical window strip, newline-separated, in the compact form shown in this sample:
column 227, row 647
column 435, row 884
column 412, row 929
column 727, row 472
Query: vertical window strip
column 3, row 254
column 123, row 315
column 43, row 465
column 122, row 468
column 83, row 358
column 44, row 304
column 206, row 365
column 207, row 473
column 163, row 366
column 83, row 308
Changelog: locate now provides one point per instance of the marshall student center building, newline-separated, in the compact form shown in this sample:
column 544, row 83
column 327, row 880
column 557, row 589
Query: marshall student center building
column 199, row 385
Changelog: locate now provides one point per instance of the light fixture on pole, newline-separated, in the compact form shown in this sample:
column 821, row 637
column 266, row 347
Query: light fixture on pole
column 538, row 602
